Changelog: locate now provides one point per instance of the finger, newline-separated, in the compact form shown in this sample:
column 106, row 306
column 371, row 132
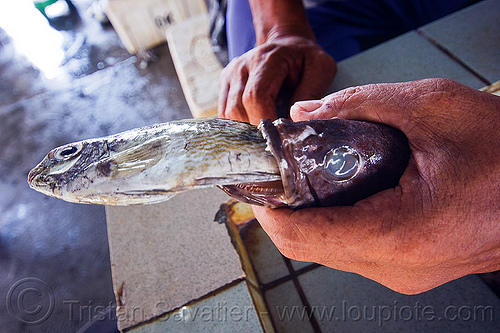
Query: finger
column 318, row 74
column 233, row 103
column 224, row 84
column 261, row 91
column 264, row 108
column 302, row 110
column 383, row 103
column 222, row 98
column 369, row 102
column 399, row 105
column 312, row 234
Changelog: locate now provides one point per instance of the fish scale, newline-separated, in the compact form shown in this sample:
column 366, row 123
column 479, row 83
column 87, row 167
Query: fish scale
column 149, row 164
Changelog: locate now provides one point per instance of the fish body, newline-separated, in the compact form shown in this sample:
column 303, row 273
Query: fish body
column 279, row 164
column 153, row 163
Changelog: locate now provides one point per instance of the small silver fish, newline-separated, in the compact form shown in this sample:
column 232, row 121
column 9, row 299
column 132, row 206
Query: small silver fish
column 281, row 163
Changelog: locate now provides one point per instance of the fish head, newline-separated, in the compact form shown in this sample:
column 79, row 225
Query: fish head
column 328, row 163
column 68, row 172
column 107, row 171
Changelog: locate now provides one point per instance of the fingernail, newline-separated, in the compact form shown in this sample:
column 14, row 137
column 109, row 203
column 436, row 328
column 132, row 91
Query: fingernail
column 307, row 106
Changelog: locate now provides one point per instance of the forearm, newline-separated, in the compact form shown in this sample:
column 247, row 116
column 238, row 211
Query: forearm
column 272, row 18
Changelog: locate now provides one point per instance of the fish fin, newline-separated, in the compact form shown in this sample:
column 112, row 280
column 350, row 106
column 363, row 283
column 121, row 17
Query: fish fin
column 147, row 197
column 142, row 197
column 125, row 198
column 137, row 159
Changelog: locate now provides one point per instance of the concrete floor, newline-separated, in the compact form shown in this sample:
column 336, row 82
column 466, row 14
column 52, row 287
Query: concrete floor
column 58, row 86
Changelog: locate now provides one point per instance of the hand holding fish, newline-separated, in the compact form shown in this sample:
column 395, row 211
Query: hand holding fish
column 441, row 222
column 250, row 84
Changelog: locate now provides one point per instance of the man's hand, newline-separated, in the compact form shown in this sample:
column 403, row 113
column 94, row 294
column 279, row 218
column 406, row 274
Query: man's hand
column 441, row 222
column 250, row 83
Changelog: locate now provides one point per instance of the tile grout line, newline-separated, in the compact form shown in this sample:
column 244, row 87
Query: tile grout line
column 302, row 295
column 308, row 268
column 274, row 283
column 453, row 57
column 167, row 314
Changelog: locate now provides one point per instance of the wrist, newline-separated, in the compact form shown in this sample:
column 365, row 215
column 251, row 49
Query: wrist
column 279, row 18
column 286, row 30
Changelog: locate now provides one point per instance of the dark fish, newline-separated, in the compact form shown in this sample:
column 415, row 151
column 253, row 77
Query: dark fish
column 327, row 163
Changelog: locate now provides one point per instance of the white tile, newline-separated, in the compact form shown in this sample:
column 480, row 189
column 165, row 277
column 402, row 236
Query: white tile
column 347, row 302
column 405, row 58
column 472, row 35
column 229, row 311
column 172, row 253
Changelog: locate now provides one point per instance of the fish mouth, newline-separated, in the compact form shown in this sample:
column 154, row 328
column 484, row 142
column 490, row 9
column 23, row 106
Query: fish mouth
column 37, row 181
column 269, row 194
column 35, row 175
column 31, row 176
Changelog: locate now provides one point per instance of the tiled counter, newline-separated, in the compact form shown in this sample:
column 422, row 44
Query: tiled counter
column 171, row 254
column 176, row 270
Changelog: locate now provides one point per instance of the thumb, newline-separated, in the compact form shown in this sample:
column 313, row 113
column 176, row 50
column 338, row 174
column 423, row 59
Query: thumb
column 374, row 102
column 305, row 110
column 396, row 104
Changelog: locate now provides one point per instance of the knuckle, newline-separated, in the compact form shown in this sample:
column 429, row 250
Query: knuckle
column 338, row 100
column 226, row 71
column 237, row 67
column 433, row 92
column 442, row 84
column 252, row 94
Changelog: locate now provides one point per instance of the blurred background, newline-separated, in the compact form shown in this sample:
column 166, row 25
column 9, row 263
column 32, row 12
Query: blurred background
column 65, row 75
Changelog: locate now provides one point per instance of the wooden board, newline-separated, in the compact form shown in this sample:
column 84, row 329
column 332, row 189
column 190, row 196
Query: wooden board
column 142, row 24
column 196, row 65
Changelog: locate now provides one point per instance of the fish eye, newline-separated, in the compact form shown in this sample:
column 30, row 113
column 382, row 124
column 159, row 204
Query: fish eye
column 342, row 163
column 66, row 152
